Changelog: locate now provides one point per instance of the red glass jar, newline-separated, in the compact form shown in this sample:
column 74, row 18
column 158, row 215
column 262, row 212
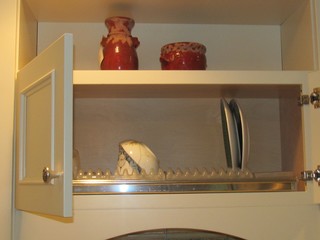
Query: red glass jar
column 119, row 47
column 183, row 56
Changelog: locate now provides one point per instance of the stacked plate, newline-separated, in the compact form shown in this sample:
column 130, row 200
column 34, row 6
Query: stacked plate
column 236, row 134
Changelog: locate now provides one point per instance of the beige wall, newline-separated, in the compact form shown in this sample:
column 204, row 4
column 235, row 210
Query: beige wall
column 7, row 63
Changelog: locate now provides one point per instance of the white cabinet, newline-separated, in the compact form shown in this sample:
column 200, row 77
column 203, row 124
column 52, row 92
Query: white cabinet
column 175, row 112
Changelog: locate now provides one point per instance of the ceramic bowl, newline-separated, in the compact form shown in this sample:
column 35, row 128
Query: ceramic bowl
column 183, row 56
column 136, row 156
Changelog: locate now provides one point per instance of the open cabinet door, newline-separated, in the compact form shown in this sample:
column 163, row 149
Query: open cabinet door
column 44, row 131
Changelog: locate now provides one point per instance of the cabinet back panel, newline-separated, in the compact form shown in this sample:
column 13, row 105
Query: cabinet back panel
column 229, row 47
column 183, row 132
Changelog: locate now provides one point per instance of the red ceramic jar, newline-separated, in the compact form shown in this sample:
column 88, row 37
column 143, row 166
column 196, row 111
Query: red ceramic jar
column 119, row 47
column 183, row 56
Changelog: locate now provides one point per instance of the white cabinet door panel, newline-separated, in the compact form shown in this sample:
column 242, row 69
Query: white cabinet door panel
column 44, row 131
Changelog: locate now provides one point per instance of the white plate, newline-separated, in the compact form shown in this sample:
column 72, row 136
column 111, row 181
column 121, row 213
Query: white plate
column 230, row 135
column 243, row 133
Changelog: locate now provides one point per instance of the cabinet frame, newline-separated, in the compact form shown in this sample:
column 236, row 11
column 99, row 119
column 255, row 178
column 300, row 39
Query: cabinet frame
column 27, row 51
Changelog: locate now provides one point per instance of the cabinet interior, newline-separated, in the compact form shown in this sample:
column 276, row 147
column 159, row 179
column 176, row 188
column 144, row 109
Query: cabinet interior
column 181, row 123
column 239, row 35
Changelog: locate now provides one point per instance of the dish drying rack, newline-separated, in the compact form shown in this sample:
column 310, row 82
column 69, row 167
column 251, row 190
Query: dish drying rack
column 161, row 175
column 181, row 181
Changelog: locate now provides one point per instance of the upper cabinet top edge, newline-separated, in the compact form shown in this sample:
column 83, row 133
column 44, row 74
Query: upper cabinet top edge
column 271, row 12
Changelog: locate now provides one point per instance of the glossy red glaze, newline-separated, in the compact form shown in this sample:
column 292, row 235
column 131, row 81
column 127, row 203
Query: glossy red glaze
column 119, row 47
column 183, row 56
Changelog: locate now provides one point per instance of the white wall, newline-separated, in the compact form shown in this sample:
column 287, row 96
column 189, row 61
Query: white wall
column 7, row 63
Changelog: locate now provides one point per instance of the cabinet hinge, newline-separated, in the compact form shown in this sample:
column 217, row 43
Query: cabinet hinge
column 313, row 98
column 311, row 175
column 303, row 99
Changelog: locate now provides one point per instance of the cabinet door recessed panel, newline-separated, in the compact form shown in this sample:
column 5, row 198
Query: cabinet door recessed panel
column 37, row 135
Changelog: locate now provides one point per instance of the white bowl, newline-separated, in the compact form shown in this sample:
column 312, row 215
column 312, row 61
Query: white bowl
column 136, row 156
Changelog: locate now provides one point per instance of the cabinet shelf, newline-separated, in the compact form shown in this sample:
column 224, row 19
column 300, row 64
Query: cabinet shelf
column 159, row 77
